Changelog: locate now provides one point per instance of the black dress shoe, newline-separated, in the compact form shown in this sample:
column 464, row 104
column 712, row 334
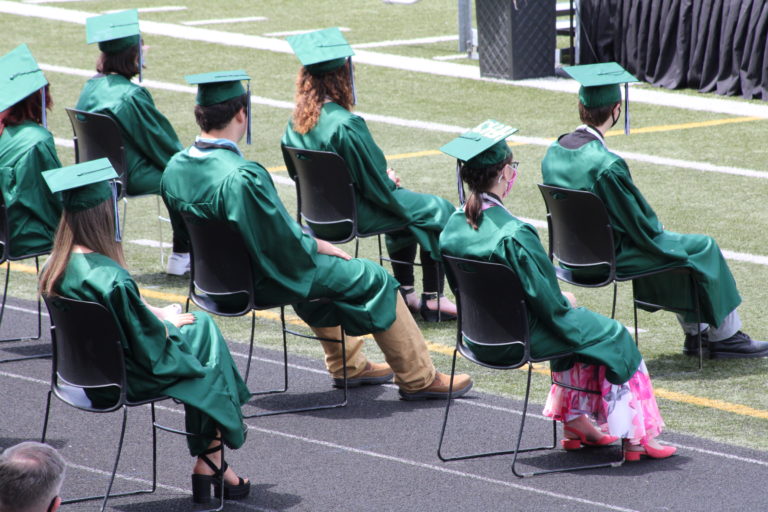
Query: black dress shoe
column 740, row 345
column 691, row 344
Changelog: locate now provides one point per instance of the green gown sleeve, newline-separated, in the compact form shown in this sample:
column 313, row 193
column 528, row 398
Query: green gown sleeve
column 367, row 164
column 250, row 195
column 632, row 217
column 149, row 347
column 149, row 130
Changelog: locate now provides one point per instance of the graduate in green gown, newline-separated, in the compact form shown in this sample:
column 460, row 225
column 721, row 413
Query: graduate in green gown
column 581, row 160
column 212, row 181
column 322, row 121
column 605, row 356
column 26, row 149
column 166, row 352
column 150, row 140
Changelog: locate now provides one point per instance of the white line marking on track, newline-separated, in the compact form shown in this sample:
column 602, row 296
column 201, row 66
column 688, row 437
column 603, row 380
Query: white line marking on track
column 224, row 20
column 702, row 102
column 406, row 42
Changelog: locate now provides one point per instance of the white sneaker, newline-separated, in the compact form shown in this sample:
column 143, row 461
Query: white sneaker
column 178, row 264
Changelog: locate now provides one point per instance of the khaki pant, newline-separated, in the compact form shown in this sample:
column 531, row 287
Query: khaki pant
column 403, row 345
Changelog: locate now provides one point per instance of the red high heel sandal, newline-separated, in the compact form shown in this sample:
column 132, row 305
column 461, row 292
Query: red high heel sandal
column 648, row 451
column 575, row 444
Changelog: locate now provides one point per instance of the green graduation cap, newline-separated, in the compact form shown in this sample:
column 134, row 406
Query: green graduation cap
column 114, row 32
column 20, row 76
column 482, row 146
column 600, row 85
column 220, row 86
column 321, row 51
column 86, row 185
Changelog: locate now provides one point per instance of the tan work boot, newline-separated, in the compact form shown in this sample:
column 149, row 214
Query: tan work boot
column 372, row 375
column 439, row 388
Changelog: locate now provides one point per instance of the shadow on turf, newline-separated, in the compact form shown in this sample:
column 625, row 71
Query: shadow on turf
column 684, row 368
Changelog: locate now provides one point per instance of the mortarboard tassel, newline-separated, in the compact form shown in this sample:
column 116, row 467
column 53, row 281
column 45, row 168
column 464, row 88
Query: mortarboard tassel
column 248, row 114
column 626, row 108
column 459, row 184
column 141, row 62
column 43, row 116
column 352, row 80
column 115, row 203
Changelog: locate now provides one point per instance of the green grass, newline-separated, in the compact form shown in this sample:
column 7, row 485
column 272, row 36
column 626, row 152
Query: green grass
column 730, row 208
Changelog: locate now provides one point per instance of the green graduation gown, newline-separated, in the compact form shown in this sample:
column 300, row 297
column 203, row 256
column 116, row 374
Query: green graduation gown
column 555, row 326
column 150, row 140
column 381, row 205
column 220, row 184
column 26, row 150
column 581, row 161
column 191, row 364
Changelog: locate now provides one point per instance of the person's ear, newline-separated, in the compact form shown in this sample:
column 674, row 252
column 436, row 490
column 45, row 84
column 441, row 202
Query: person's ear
column 55, row 504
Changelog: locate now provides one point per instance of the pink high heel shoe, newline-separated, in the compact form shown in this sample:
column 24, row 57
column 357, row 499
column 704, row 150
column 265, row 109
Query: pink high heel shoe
column 648, row 451
column 574, row 444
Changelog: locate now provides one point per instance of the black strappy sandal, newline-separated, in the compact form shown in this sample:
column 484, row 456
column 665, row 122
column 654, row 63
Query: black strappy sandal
column 201, row 484
column 433, row 315
column 405, row 293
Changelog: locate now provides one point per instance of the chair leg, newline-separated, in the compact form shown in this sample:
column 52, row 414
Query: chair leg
column 615, row 292
column 47, row 415
column 39, row 318
column 334, row 405
column 250, row 349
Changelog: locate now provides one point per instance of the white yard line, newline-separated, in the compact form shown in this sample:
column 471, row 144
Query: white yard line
column 704, row 102
column 405, row 42
column 224, row 20
column 165, row 8
column 297, row 32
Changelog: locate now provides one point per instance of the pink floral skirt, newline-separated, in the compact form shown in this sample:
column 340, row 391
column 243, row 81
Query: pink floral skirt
column 628, row 410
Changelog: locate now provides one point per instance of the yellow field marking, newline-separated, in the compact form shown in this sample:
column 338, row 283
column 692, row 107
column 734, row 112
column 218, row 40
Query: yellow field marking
column 686, row 126
column 540, row 368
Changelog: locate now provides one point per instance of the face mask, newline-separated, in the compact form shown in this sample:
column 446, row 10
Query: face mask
column 510, row 182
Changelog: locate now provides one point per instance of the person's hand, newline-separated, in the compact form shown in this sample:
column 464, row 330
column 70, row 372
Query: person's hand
column 328, row 248
column 181, row 319
column 571, row 298
column 393, row 176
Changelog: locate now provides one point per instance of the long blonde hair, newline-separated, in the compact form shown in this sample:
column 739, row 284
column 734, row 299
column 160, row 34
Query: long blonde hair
column 93, row 228
column 312, row 91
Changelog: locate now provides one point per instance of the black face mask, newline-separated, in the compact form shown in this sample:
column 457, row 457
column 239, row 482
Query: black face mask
column 615, row 119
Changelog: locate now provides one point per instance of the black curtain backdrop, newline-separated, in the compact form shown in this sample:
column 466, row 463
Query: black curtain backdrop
column 711, row 45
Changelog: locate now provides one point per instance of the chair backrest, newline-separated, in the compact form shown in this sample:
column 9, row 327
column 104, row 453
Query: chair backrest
column 98, row 136
column 221, row 277
column 491, row 305
column 87, row 352
column 580, row 233
column 325, row 193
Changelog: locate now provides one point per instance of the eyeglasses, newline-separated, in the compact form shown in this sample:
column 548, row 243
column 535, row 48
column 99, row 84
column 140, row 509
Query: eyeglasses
column 514, row 165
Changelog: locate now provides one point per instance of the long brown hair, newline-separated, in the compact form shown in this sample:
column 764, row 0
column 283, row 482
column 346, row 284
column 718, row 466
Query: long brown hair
column 312, row 91
column 93, row 228
column 29, row 109
column 125, row 63
column 479, row 181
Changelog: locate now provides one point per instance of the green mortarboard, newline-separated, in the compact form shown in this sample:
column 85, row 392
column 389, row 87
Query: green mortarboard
column 20, row 76
column 83, row 185
column 600, row 85
column 115, row 32
column 321, row 51
column 220, row 86
column 482, row 146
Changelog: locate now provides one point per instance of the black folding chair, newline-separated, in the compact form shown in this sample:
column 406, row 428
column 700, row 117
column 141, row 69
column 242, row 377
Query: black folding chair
column 581, row 240
column 88, row 373
column 7, row 256
column 221, row 282
column 99, row 136
column 493, row 313
column 326, row 199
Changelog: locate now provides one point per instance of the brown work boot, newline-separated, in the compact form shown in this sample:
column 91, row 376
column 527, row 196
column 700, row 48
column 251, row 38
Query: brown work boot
column 439, row 388
column 373, row 375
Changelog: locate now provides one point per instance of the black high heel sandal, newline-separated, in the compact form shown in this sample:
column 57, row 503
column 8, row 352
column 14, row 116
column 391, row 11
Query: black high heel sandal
column 405, row 293
column 201, row 484
column 433, row 315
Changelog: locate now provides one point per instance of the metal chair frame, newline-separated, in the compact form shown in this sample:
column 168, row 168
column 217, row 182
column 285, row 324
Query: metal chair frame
column 7, row 258
column 99, row 136
column 89, row 355
column 331, row 199
column 499, row 319
column 221, row 268
column 581, row 236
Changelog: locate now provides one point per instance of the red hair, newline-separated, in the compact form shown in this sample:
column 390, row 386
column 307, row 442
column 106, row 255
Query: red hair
column 29, row 109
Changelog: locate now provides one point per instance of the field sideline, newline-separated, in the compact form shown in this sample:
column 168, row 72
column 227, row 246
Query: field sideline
column 699, row 159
